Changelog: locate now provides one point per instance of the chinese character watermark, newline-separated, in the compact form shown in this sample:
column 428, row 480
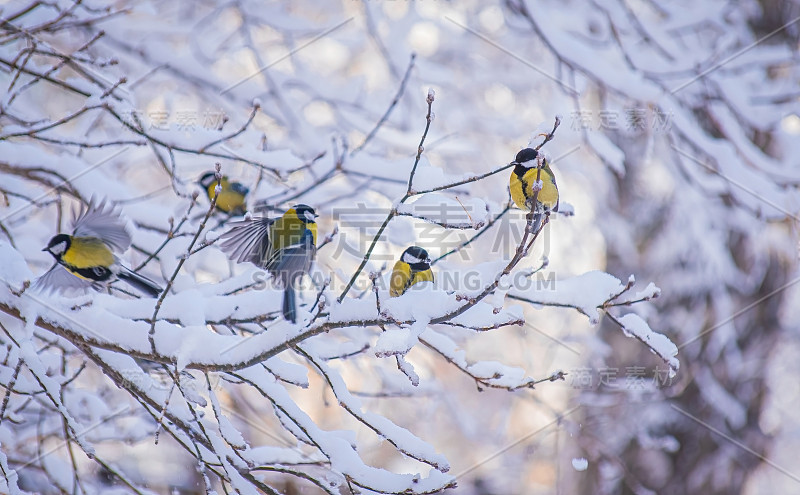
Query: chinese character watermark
column 633, row 120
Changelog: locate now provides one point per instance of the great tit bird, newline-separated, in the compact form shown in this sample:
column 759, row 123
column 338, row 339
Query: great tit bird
column 86, row 258
column 413, row 266
column 285, row 247
column 233, row 196
column 521, row 183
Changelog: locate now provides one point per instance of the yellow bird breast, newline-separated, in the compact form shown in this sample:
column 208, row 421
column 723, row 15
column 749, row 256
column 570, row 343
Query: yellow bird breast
column 313, row 228
column 229, row 200
column 423, row 276
column 88, row 252
column 522, row 189
column 403, row 278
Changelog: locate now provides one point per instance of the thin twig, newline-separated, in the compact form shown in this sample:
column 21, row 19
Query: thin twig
column 393, row 212
column 388, row 112
column 181, row 261
column 472, row 239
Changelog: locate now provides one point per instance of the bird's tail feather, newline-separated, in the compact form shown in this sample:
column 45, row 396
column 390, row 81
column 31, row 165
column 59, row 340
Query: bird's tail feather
column 142, row 283
column 537, row 221
column 289, row 305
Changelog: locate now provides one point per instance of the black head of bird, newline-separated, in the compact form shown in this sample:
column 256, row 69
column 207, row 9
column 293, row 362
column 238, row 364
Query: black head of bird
column 207, row 179
column 526, row 155
column 417, row 258
column 58, row 245
column 305, row 213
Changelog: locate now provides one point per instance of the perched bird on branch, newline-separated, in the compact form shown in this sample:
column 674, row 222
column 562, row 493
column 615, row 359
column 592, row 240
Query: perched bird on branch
column 523, row 178
column 232, row 197
column 414, row 266
column 285, row 247
column 86, row 257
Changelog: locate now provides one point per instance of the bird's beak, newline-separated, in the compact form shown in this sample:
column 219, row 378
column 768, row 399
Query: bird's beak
column 44, row 249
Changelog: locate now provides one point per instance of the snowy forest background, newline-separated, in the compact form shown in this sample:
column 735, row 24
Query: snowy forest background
column 676, row 158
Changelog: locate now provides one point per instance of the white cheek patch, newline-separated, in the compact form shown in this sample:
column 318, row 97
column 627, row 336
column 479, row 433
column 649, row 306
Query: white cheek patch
column 309, row 216
column 59, row 248
column 408, row 258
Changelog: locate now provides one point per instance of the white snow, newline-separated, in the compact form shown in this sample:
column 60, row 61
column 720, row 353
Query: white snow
column 659, row 344
column 580, row 464
column 585, row 293
column 446, row 211
column 14, row 270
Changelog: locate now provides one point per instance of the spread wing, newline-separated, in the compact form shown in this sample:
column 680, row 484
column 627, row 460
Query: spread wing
column 104, row 221
column 248, row 240
column 58, row 279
